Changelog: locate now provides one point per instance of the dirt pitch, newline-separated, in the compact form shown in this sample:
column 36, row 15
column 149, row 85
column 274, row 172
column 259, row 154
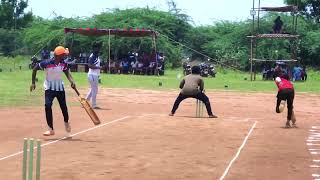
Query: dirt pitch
column 137, row 140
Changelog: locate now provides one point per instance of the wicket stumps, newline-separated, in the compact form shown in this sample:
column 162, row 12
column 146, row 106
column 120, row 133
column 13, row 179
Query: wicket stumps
column 27, row 166
column 199, row 108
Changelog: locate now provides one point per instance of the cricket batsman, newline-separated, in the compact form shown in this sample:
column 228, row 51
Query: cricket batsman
column 286, row 93
column 54, row 86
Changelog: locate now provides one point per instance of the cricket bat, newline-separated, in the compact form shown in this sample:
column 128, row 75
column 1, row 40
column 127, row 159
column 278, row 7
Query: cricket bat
column 85, row 104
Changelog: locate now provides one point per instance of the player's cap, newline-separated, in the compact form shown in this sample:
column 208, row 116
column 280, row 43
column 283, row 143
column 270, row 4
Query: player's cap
column 60, row 50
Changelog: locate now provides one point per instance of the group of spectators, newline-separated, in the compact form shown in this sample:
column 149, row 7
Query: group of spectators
column 142, row 63
column 134, row 63
column 298, row 73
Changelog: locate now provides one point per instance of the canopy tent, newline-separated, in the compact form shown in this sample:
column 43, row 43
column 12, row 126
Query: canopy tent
column 276, row 36
column 115, row 32
column 289, row 8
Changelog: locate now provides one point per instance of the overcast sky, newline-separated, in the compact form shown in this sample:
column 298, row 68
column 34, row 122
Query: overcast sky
column 203, row 12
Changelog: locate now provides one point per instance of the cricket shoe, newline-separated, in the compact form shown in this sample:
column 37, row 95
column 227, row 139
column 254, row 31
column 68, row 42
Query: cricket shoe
column 213, row 116
column 48, row 133
column 288, row 125
column 67, row 127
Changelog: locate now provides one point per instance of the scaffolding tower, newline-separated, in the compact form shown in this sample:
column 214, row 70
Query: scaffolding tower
column 256, row 35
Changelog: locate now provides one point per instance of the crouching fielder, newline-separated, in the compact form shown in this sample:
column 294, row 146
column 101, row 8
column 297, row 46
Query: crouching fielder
column 192, row 87
column 286, row 93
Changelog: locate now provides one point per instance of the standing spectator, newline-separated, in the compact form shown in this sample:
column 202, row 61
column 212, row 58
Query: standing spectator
column 277, row 71
column 161, row 63
column 297, row 73
column 145, row 61
column 304, row 75
column 277, row 27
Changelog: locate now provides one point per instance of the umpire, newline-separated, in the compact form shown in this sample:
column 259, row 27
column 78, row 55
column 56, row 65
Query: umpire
column 192, row 86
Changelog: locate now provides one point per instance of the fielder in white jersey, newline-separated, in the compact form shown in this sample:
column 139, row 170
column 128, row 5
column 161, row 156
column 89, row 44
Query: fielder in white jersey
column 94, row 64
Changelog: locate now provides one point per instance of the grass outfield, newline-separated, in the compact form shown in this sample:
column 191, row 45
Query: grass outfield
column 14, row 85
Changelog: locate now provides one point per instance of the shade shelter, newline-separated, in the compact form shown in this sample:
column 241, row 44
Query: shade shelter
column 115, row 32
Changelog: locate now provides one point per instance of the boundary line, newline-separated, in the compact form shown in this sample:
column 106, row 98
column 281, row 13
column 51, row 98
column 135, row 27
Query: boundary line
column 238, row 153
column 66, row 137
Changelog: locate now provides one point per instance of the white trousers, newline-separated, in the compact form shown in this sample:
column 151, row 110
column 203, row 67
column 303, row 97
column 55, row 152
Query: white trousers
column 94, row 81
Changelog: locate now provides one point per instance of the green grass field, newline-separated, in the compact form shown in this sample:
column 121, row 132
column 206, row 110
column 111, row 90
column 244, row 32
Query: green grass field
column 15, row 80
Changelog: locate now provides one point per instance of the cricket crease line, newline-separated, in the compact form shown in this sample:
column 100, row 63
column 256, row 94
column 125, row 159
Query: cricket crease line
column 239, row 151
column 72, row 135
column 145, row 115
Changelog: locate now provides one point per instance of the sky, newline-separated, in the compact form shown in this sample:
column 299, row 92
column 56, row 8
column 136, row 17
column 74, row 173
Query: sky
column 203, row 12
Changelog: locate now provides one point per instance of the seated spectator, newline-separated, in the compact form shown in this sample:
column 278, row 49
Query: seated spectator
column 151, row 68
column 277, row 27
column 134, row 65
column 139, row 68
column 124, row 66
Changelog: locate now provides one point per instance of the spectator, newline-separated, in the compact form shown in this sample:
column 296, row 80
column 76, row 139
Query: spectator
column 124, row 66
column 277, row 27
column 134, row 65
column 113, row 66
column 45, row 54
column 140, row 67
column 277, row 71
column 161, row 63
column 297, row 73
column 304, row 74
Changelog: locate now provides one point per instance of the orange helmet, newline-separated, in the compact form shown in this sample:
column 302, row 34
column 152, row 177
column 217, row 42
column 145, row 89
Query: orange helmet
column 60, row 50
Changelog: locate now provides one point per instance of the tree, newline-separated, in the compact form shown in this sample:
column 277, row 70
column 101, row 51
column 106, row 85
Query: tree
column 309, row 8
column 12, row 18
column 12, row 14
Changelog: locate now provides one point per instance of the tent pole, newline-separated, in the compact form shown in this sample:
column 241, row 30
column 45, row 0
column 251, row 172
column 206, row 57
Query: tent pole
column 251, row 58
column 155, row 49
column 258, row 21
column 109, row 53
column 71, row 46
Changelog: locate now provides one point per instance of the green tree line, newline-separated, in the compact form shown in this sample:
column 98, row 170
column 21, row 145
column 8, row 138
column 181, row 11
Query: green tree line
column 225, row 42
